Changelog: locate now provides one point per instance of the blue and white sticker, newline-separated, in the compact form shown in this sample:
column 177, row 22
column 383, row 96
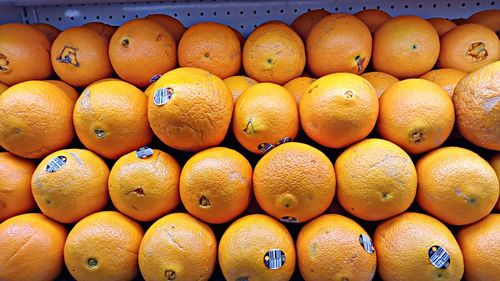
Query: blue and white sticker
column 143, row 152
column 274, row 259
column 163, row 95
column 56, row 164
column 154, row 78
column 288, row 219
column 366, row 243
column 439, row 257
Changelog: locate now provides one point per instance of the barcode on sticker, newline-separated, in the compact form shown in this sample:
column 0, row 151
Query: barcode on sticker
column 274, row 259
column 439, row 257
column 143, row 152
column 289, row 219
column 163, row 95
column 56, row 164
column 367, row 243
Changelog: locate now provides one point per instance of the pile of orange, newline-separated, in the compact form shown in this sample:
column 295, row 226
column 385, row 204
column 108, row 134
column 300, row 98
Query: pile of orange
column 344, row 146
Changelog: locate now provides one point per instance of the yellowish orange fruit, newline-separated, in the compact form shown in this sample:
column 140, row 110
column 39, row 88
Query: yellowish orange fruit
column 447, row 78
column 70, row 91
column 380, row 81
column 495, row 164
column 298, row 86
column 3, row 87
column 238, row 84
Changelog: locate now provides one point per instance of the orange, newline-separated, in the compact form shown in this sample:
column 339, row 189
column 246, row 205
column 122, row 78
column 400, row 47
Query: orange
column 468, row 47
column 216, row 185
column 405, row 46
column 111, row 118
column 103, row 246
column 336, row 247
column 149, row 89
column 238, row 84
column 32, row 248
column 144, row 184
column 442, row 25
column 456, row 186
column 294, row 182
column 376, row 180
column 339, row 109
column 257, row 247
column 477, row 106
column 190, row 109
column 70, row 184
column 415, row 246
column 70, row 91
column 24, row 54
column 373, row 18
column 211, row 46
column 36, row 119
column 171, row 24
column 135, row 49
column 15, row 185
column 488, row 18
column 274, row 53
column 178, row 247
column 380, row 81
column 479, row 244
column 415, row 114
column 495, row 164
column 298, row 86
column 50, row 31
column 338, row 43
column 239, row 36
column 305, row 22
column 80, row 56
column 447, row 78
column 274, row 22
column 103, row 29
column 3, row 87
column 265, row 114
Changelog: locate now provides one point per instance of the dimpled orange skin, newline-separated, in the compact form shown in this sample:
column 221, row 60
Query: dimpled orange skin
column 103, row 246
column 329, row 247
column 477, row 106
column 480, row 247
column 244, row 244
column 298, row 86
column 178, row 247
column 305, row 22
column 145, row 189
column 32, row 248
column 306, row 184
column 37, row 119
column 70, row 91
column 495, row 164
column 375, row 180
column 415, row 114
column 264, row 113
column 373, row 18
column 456, row 185
column 380, row 81
column 171, row 24
column 198, row 114
column 274, row 53
column 78, row 189
column 338, row 43
column 447, row 78
column 402, row 245
column 216, row 185
column 238, row 84
column 339, row 109
column 442, row 25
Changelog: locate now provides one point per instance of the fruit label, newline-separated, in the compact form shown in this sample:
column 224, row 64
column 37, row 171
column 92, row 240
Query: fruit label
column 274, row 259
column 56, row 164
column 154, row 78
column 163, row 95
column 68, row 55
column 143, row 152
column 284, row 140
column 366, row 243
column 265, row 147
column 439, row 257
column 289, row 219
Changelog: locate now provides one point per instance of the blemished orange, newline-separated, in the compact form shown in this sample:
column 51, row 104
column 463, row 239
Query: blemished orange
column 136, row 48
column 144, row 184
column 376, row 180
column 211, row 46
column 190, row 109
column 49, row 30
column 339, row 109
column 70, row 184
column 338, row 43
column 103, row 29
column 415, row 114
column 216, row 185
column 24, row 54
column 274, row 53
column 305, row 22
column 488, row 18
column 476, row 99
column 442, row 25
column 447, row 78
column 479, row 244
column 46, row 127
column 257, row 247
column 79, row 56
column 373, row 18
column 238, row 84
column 468, row 47
column 306, row 184
column 178, row 247
column 412, row 246
column 103, row 246
column 456, row 186
column 405, row 46
column 70, row 91
column 171, row 24
column 265, row 113
column 111, row 118
column 333, row 246
column 495, row 164
column 15, row 185
column 3, row 87
column 298, row 86
column 380, row 81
